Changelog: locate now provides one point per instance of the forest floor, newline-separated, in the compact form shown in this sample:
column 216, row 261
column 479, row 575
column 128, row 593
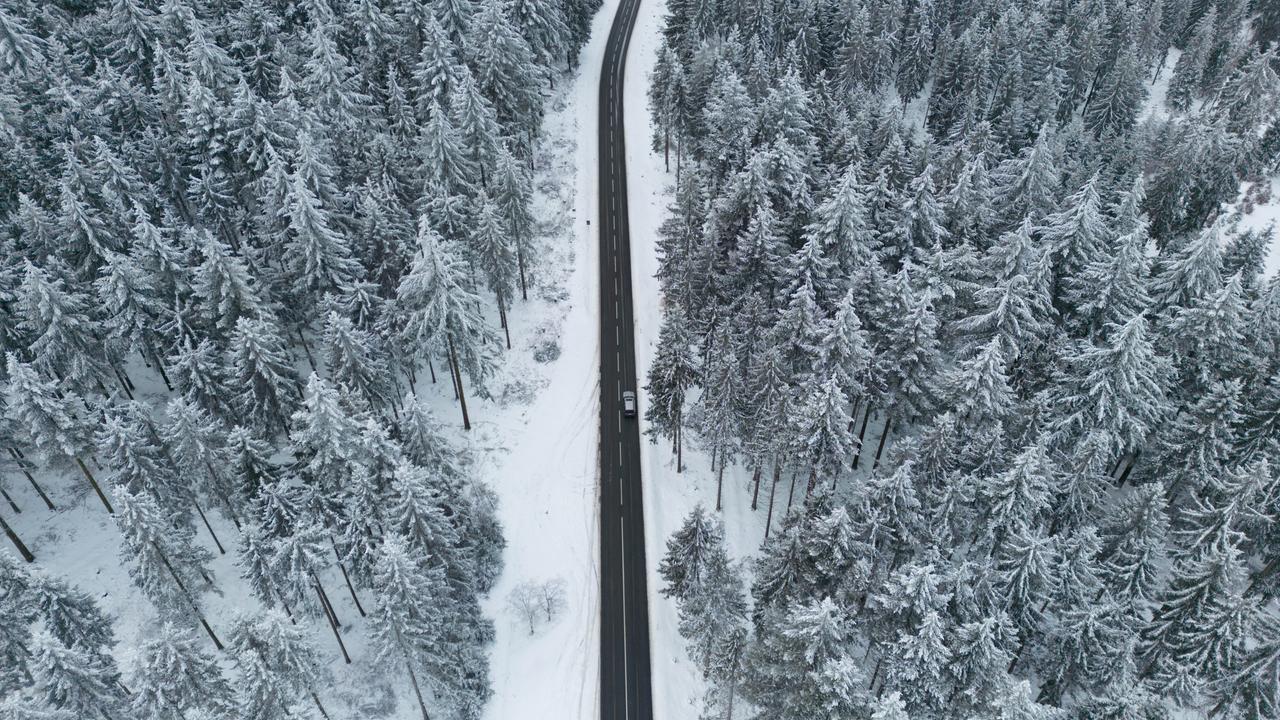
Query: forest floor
column 534, row 442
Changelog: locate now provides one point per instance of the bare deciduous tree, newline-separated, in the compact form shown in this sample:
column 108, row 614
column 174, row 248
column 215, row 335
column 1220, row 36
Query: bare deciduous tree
column 529, row 601
column 525, row 603
column 551, row 597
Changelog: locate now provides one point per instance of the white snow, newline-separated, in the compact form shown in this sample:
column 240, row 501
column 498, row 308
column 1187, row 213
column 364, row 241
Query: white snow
column 1259, row 216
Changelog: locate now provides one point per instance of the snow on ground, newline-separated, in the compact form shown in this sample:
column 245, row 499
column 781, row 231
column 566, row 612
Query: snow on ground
column 1258, row 215
column 535, row 443
column 546, row 461
column 1159, row 89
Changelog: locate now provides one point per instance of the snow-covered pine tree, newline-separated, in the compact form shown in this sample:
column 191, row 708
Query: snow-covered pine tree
column 512, row 191
column 49, row 420
column 495, row 255
column 684, row 564
column 174, row 677
column 73, row 680
column 673, row 371
column 441, row 313
column 406, row 622
column 262, row 371
column 64, row 340
column 277, row 665
column 163, row 561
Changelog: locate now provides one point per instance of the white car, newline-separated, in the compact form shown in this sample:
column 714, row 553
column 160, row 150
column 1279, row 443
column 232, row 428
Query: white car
column 629, row 404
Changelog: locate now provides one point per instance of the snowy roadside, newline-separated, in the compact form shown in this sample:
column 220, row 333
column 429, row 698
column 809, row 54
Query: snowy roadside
column 668, row 496
column 544, row 461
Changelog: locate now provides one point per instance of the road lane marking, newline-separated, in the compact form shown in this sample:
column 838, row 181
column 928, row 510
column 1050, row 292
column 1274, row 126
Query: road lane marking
column 626, row 679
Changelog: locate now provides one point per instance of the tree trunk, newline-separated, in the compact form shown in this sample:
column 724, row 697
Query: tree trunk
column 124, row 384
column 17, row 541
column 306, row 349
column 755, row 481
column 416, row 690
column 791, row 492
column 1266, row 572
column 333, row 624
column 1124, row 476
column 884, row 434
column 316, row 699
column 862, row 432
column 524, row 288
column 209, row 527
column 853, row 418
column 195, row 609
column 93, row 482
column 679, row 447
column 462, row 396
column 666, row 149
column 502, row 316
column 288, row 611
column 124, row 375
column 347, row 578
column 325, row 604
column 22, row 465
column 773, row 489
column 719, row 484
column 1160, row 67
column 159, row 366
column 17, row 510
column 231, row 511
column 733, row 682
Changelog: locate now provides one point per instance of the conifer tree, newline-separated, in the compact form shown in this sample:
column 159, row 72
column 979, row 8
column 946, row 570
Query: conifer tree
column 74, row 680
column 353, row 357
column 405, row 623
column 512, row 193
column 49, row 422
column 441, row 316
column 261, row 369
column 63, row 339
column 688, row 549
column 277, row 665
column 503, row 63
column 445, row 160
column 318, row 256
column 477, row 123
column 436, row 70
column 1117, row 387
column 670, row 376
column 175, row 677
column 495, row 254
column 164, row 563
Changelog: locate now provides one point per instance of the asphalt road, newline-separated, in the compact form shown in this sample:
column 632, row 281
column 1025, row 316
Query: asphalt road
column 624, row 604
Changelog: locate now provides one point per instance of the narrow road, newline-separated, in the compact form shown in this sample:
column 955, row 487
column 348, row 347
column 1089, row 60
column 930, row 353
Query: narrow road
column 624, row 604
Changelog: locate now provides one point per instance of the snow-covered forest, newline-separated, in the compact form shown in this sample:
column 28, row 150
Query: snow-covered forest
column 958, row 284
column 241, row 241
